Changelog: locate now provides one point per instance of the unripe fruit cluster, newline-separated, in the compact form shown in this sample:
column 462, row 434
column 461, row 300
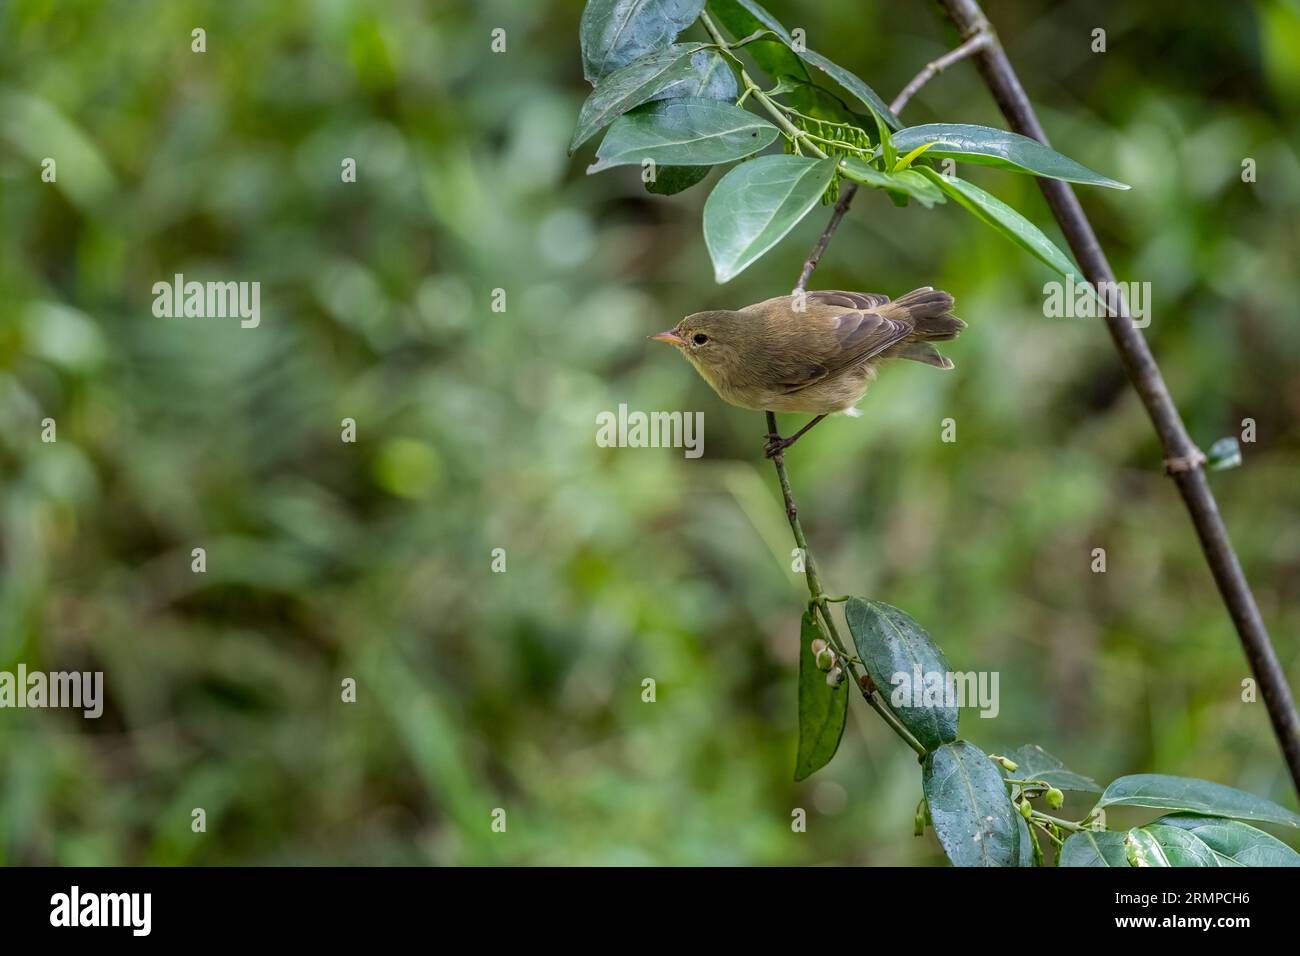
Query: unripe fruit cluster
column 828, row 661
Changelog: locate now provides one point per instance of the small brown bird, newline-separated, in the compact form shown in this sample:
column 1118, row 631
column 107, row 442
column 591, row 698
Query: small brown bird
column 820, row 359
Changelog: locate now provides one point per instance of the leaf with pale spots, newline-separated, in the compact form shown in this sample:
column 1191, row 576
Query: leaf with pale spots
column 613, row 33
column 973, row 816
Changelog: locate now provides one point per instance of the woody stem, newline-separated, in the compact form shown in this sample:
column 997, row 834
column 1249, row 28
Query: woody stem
column 1182, row 458
column 818, row 599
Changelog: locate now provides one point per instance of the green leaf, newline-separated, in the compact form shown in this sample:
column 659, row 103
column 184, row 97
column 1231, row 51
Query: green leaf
column 822, row 709
column 972, row 815
column 686, row 132
column 765, row 21
column 994, row 212
column 1178, row 847
column 651, row 77
column 613, row 33
column 1093, row 848
column 1035, row 763
column 1233, row 842
column 1185, row 793
column 711, row 77
column 756, row 204
column 670, row 180
column 907, row 182
column 1142, row 849
column 985, row 146
column 743, row 17
column 774, row 56
column 893, row 646
column 854, row 84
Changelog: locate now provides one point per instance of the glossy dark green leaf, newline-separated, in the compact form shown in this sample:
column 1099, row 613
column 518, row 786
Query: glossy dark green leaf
column 643, row 80
column 1186, row 793
column 713, row 78
column 756, row 204
column 1093, row 848
column 986, row 146
column 1177, row 846
column 765, row 20
column 972, row 814
column 670, row 180
column 710, row 76
column 908, row 668
column 822, row 709
column 1035, row 763
column 686, row 132
column 854, row 84
column 994, row 212
column 1233, row 842
column 613, row 33
column 774, row 56
column 781, row 62
column 908, row 182
column 759, row 18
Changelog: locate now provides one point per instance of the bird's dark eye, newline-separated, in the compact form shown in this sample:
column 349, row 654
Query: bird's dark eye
column 699, row 338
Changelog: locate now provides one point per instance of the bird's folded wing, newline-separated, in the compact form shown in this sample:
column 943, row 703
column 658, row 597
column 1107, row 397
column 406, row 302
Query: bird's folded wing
column 860, row 336
column 848, row 300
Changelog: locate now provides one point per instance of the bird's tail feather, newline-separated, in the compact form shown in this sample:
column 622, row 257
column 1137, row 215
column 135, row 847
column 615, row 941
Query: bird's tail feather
column 929, row 312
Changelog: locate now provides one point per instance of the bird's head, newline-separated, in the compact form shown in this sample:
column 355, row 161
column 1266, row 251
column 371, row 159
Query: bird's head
column 716, row 343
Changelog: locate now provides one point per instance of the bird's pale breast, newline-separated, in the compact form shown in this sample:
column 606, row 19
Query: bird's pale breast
column 835, row 393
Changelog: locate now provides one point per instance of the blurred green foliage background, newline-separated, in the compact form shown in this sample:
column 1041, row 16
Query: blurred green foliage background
column 476, row 431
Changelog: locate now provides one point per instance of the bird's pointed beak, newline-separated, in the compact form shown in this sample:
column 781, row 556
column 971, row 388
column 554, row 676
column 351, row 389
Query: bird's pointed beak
column 670, row 337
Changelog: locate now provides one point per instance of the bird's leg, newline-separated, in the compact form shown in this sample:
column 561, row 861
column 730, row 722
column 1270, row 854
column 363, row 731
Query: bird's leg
column 776, row 444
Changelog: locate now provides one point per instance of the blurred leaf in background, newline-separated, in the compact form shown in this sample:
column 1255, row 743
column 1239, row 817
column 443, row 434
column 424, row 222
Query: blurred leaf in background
column 372, row 559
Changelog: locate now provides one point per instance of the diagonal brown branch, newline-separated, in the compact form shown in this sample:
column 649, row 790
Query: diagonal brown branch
column 1183, row 459
column 974, row 43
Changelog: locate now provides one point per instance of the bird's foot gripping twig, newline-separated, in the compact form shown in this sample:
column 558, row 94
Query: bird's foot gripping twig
column 776, row 446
